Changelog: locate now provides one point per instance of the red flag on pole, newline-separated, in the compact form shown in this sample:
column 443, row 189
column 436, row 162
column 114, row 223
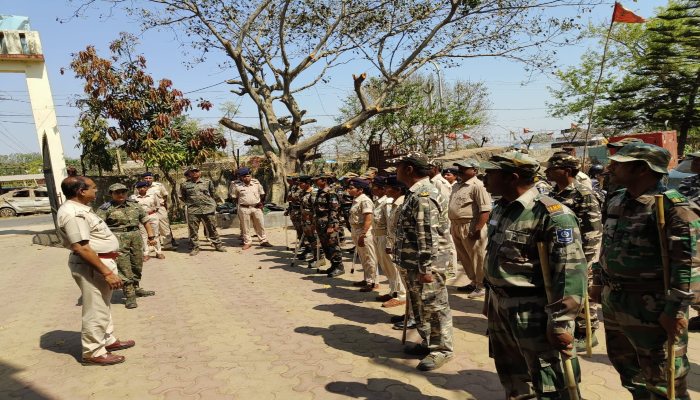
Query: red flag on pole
column 621, row 14
column 465, row 136
column 452, row 136
column 525, row 130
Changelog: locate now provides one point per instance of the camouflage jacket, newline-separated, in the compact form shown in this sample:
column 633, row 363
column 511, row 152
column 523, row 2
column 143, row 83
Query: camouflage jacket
column 128, row 214
column 512, row 258
column 690, row 188
column 581, row 200
column 327, row 208
column 632, row 254
column 199, row 196
column 306, row 202
column 421, row 230
column 294, row 200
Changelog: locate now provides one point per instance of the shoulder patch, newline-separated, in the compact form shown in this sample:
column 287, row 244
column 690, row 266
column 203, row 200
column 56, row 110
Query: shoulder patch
column 553, row 207
column 564, row 235
column 424, row 194
column 675, row 196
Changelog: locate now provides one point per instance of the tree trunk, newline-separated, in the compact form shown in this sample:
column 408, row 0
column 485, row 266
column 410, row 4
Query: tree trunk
column 282, row 166
column 174, row 212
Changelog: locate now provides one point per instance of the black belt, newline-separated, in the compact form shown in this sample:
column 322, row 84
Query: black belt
column 517, row 291
column 127, row 229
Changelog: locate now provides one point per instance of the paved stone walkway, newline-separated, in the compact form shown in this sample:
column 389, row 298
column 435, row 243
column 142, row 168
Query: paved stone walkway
column 239, row 326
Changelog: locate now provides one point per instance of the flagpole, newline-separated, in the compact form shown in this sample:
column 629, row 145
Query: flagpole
column 595, row 92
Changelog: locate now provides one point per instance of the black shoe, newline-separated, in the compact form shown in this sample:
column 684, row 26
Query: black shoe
column 396, row 318
column 411, row 325
column 416, row 350
column 324, row 271
column 336, row 272
column 351, row 250
column 302, row 256
column 467, row 289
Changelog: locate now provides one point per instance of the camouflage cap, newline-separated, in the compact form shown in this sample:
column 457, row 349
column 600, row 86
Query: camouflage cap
column 513, row 161
column 117, row 186
column 304, row 178
column 191, row 168
column 436, row 163
column 563, row 160
column 323, row 175
column 414, row 158
column 390, row 170
column 657, row 158
column 468, row 163
column 623, row 142
column 349, row 175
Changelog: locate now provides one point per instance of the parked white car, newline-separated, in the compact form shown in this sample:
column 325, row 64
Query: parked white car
column 25, row 201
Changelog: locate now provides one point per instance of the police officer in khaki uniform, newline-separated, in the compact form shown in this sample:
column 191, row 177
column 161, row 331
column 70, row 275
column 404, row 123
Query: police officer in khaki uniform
column 94, row 268
column 250, row 196
column 469, row 208
column 150, row 204
column 158, row 190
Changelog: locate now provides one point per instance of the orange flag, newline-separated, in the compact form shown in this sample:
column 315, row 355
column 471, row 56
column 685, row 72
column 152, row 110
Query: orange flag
column 621, row 14
column 525, row 130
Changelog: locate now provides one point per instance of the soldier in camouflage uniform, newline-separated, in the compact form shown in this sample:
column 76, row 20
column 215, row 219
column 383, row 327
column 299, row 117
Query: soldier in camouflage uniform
column 294, row 209
column 562, row 169
column 422, row 250
column 199, row 197
column 328, row 223
column 639, row 314
column 306, row 203
column 528, row 334
column 690, row 188
column 123, row 218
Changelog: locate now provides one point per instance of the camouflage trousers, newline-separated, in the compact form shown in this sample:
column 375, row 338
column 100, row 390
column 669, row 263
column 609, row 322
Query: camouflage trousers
column 431, row 310
column 309, row 232
column 209, row 222
column 524, row 358
column 295, row 217
column 329, row 243
column 130, row 260
column 636, row 344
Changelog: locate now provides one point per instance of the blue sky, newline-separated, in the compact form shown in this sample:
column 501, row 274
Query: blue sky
column 517, row 102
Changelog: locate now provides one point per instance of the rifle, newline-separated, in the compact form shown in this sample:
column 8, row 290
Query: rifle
column 547, row 277
column 670, row 349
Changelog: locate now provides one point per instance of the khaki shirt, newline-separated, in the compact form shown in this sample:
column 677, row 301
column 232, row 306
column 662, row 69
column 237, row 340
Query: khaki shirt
column 149, row 203
column 468, row 200
column 158, row 191
column 361, row 205
column 380, row 217
column 77, row 222
column 247, row 195
column 393, row 208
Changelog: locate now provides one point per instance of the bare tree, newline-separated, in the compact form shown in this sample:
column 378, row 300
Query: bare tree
column 280, row 48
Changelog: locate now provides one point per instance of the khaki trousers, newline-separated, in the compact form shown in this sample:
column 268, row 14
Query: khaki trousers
column 471, row 253
column 164, row 227
column 387, row 265
column 246, row 215
column 367, row 255
column 97, row 331
column 154, row 221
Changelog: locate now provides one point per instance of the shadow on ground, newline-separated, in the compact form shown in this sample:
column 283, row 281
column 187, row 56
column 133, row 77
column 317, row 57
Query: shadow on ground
column 379, row 389
column 11, row 388
column 62, row 342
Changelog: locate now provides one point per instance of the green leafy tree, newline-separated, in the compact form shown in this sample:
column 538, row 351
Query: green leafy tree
column 123, row 106
column 278, row 49
column 652, row 76
column 426, row 119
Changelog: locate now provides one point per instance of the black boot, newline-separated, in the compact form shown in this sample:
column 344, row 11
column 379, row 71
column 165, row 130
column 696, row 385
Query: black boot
column 304, row 252
column 336, row 270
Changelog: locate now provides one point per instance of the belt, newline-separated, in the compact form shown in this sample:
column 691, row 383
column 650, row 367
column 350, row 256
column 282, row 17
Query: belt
column 517, row 291
column 617, row 285
column 127, row 229
column 112, row 255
